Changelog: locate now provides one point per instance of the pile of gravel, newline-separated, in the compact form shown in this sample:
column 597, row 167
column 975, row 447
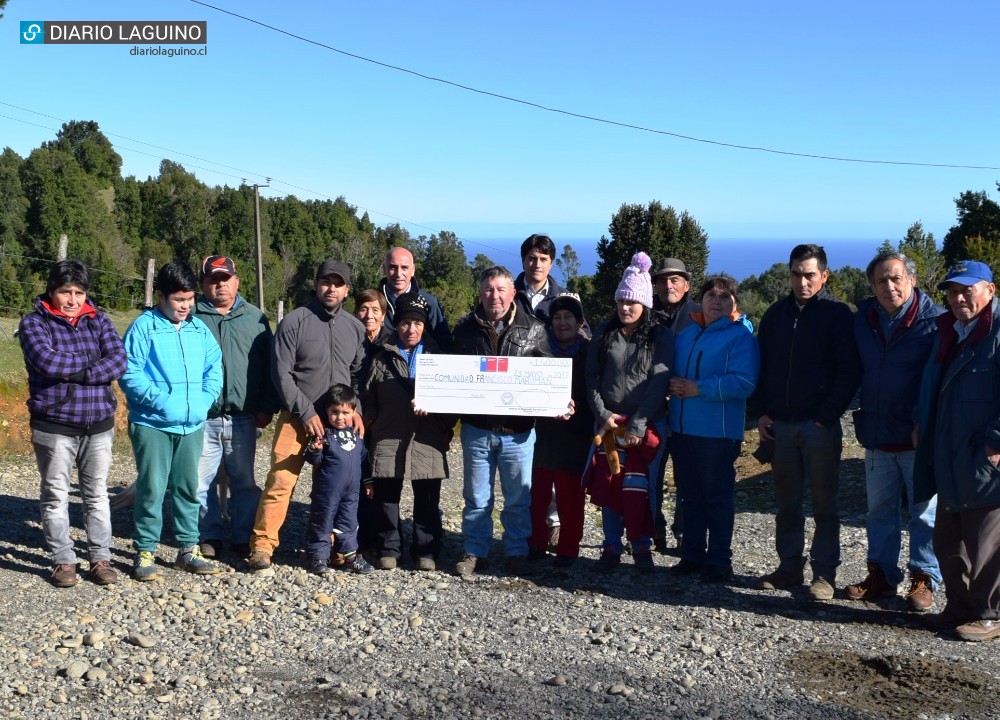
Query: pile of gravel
column 406, row 644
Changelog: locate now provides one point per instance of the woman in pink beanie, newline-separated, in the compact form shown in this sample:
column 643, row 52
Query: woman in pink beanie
column 628, row 370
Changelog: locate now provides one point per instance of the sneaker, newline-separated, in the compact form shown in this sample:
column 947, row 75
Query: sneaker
column 386, row 563
column 64, row 576
column 920, row 597
column 191, row 559
column 101, row 573
column 780, row 580
column 259, row 560
column 821, row 589
column 553, row 537
column 469, row 564
column 426, row 564
column 979, row 630
column 145, row 569
column 356, row 563
column 716, row 573
column 873, row 586
column 516, row 565
column 609, row 560
column 318, row 567
column 211, row 548
column 686, row 567
column 643, row 560
column 241, row 550
column 564, row 562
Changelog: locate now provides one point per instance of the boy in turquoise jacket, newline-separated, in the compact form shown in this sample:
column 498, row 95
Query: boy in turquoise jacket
column 174, row 375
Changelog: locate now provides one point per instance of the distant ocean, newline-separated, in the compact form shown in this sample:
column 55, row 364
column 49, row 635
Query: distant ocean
column 739, row 257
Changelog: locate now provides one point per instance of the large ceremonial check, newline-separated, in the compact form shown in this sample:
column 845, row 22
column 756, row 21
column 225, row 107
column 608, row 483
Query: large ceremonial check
column 486, row 385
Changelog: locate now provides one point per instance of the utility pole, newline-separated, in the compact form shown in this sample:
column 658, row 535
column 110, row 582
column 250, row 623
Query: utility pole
column 256, row 223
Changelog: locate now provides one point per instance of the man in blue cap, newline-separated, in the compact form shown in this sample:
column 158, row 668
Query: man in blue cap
column 958, row 451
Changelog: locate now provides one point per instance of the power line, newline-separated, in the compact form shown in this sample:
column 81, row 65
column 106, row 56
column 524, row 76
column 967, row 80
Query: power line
column 581, row 116
column 244, row 173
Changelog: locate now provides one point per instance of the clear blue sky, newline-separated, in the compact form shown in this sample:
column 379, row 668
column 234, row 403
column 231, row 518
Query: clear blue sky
column 907, row 81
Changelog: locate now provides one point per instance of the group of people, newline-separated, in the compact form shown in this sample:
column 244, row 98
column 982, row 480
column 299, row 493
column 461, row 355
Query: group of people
column 670, row 374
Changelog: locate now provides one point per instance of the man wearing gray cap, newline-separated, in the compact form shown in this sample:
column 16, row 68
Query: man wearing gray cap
column 958, row 451
column 315, row 347
column 672, row 306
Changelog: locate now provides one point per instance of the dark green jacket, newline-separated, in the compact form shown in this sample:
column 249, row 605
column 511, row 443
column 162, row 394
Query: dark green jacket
column 245, row 338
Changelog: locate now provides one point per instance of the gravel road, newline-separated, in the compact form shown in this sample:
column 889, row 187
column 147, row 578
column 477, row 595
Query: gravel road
column 406, row 644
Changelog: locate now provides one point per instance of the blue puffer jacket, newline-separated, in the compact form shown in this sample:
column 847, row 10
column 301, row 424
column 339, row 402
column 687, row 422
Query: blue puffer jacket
column 890, row 371
column 173, row 375
column 959, row 415
column 724, row 360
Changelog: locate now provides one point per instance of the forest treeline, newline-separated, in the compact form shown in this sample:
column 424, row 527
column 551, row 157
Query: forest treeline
column 73, row 185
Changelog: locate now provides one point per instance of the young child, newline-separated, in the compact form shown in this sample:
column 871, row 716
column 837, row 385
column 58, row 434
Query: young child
column 337, row 456
column 174, row 374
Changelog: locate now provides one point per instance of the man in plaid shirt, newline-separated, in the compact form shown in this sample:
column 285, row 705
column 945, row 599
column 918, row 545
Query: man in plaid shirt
column 73, row 354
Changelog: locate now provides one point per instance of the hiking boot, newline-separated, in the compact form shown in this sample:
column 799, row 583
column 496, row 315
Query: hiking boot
column 426, row 564
column 873, row 586
column 979, row 630
column 211, row 548
column 318, row 567
column 356, row 563
column 101, row 573
column 469, row 564
column 780, row 580
column 609, row 560
column 716, row 573
column 64, row 576
column 821, row 589
column 643, row 560
column 259, row 560
column 686, row 567
column 191, row 559
column 516, row 565
column 920, row 597
column 240, row 550
column 145, row 569
column 387, row 563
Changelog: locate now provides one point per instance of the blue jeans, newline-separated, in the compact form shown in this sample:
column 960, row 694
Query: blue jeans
column 56, row 456
column 804, row 453
column 886, row 474
column 230, row 442
column 705, row 474
column 485, row 452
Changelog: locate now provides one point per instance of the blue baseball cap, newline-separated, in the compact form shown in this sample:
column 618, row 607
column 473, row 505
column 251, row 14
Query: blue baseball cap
column 967, row 272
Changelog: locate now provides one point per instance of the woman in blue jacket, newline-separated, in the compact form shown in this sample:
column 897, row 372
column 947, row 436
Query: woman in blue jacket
column 716, row 369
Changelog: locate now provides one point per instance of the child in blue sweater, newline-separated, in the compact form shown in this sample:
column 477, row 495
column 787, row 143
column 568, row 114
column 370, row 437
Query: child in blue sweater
column 336, row 486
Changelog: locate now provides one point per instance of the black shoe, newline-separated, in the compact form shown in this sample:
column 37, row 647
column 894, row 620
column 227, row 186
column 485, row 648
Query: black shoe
column 517, row 565
column 356, row 563
column 686, row 567
column 240, row 550
column 564, row 561
column 660, row 545
column 609, row 560
column 715, row 573
column 318, row 567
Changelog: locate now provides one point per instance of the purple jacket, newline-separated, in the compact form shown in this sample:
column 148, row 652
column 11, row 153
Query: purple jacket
column 70, row 369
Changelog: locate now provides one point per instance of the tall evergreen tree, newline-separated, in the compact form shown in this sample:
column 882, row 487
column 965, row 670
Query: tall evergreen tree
column 978, row 217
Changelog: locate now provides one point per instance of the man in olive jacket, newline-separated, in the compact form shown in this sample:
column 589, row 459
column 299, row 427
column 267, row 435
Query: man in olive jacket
column 505, row 443
column 247, row 402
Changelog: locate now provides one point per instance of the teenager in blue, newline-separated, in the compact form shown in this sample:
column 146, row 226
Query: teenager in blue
column 174, row 374
column 717, row 363
column 337, row 455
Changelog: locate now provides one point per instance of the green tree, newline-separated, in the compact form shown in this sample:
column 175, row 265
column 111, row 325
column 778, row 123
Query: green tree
column 91, row 148
column 479, row 263
column 850, row 284
column 978, row 217
column 444, row 273
column 922, row 248
column 569, row 264
column 13, row 225
column 654, row 229
column 759, row 292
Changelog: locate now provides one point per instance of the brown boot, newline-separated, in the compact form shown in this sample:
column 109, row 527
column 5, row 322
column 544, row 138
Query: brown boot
column 872, row 587
column 920, row 597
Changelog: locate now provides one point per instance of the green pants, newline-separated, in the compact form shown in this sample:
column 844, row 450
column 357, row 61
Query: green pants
column 164, row 460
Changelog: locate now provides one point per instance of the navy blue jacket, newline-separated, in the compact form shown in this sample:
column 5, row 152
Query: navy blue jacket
column 809, row 366
column 890, row 371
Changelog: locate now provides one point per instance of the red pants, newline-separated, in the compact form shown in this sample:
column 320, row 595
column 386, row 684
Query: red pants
column 569, row 504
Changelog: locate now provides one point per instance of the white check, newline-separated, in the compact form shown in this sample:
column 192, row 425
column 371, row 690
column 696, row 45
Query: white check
column 487, row 385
